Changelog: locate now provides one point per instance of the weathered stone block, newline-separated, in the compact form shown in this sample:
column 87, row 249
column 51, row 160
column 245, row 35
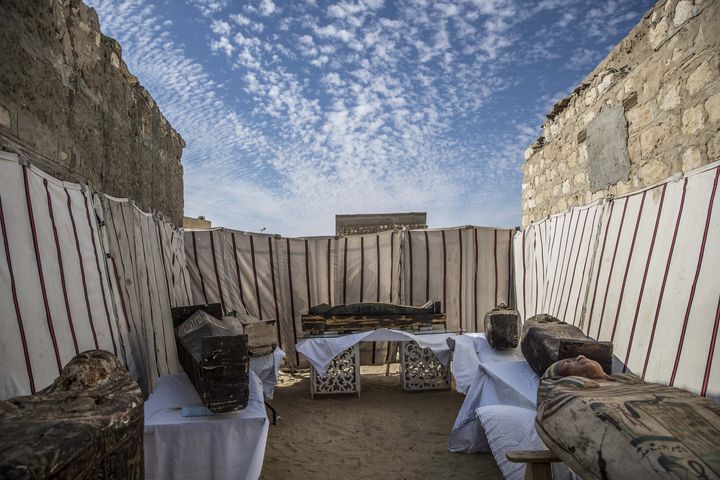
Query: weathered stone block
column 693, row 119
column 713, row 148
column 702, row 76
column 683, row 12
column 692, row 158
column 670, row 96
column 658, row 34
column 653, row 171
column 712, row 106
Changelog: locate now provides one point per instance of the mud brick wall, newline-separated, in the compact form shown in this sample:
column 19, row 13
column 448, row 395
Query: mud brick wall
column 70, row 105
column 650, row 110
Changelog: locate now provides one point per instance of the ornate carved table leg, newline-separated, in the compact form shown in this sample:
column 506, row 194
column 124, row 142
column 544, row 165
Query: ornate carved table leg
column 421, row 370
column 342, row 375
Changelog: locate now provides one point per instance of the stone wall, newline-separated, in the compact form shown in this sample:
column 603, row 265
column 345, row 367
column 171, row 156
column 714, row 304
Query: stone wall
column 650, row 110
column 69, row 105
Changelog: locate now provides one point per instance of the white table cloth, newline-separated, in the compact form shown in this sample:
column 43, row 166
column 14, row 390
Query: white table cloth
column 220, row 446
column 321, row 350
column 496, row 383
column 267, row 368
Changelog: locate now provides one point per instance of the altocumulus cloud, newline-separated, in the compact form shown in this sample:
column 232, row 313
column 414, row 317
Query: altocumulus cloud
column 295, row 111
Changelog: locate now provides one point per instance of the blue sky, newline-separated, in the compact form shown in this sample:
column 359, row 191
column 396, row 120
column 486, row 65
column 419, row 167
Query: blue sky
column 296, row 111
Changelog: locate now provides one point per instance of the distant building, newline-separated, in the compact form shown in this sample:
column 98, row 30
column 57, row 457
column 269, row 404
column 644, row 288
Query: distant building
column 378, row 222
column 199, row 222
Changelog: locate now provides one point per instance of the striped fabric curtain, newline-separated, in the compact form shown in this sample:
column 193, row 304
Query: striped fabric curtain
column 637, row 270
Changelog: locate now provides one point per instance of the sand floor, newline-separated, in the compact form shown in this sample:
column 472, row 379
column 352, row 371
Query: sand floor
column 386, row 433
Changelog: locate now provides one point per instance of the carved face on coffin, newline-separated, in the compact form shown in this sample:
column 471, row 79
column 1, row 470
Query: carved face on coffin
column 579, row 366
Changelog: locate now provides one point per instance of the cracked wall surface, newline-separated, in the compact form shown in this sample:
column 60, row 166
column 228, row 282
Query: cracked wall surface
column 665, row 77
column 69, row 104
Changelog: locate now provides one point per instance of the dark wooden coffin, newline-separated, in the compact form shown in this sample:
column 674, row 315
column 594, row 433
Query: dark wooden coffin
column 358, row 317
column 87, row 425
column 623, row 428
column 218, row 366
column 545, row 340
column 502, row 327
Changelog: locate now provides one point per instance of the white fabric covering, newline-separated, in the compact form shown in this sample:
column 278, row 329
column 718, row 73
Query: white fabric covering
column 638, row 270
column 487, row 377
column 220, row 446
column 321, row 350
column 511, row 429
column 267, row 367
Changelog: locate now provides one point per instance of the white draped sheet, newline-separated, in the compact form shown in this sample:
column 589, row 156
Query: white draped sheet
column 321, row 350
column 495, row 383
column 220, row 446
column 266, row 367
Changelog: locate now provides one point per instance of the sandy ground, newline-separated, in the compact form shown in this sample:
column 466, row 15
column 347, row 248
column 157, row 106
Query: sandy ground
column 386, row 433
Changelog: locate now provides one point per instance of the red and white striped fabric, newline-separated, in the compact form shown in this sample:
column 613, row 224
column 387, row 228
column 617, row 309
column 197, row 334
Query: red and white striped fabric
column 147, row 259
column 280, row 278
column 640, row 272
column 270, row 277
column 56, row 299
column 469, row 269
column 369, row 271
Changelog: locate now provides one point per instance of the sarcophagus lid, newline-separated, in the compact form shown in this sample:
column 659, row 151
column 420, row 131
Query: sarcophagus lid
column 502, row 327
column 546, row 339
column 214, row 354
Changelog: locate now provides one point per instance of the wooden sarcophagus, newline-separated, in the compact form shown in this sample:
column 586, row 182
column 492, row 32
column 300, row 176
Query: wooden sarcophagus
column 87, row 425
column 502, row 327
column 622, row 428
column 214, row 354
column 262, row 334
column 545, row 340
column 358, row 317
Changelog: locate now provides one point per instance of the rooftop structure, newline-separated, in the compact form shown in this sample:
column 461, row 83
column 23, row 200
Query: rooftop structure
column 360, row 223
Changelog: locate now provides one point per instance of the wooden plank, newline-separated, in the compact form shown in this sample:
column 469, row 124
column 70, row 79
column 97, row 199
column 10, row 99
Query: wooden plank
column 317, row 324
column 87, row 424
column 532, row 456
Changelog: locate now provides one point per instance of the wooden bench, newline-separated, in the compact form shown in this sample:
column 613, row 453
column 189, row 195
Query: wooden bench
column 539, row 463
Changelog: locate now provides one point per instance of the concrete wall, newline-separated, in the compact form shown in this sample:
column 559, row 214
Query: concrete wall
column 69, row 105
column 199, row 222
column 361, row 223
column 651, row 109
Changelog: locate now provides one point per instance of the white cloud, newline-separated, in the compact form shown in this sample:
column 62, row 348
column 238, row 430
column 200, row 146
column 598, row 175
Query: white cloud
column 267, row 7
column 349, row 106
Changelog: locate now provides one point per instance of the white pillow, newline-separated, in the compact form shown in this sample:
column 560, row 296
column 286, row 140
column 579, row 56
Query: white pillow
column 513, row 428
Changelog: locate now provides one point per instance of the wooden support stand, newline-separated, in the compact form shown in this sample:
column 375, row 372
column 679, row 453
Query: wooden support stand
column 539, row 463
